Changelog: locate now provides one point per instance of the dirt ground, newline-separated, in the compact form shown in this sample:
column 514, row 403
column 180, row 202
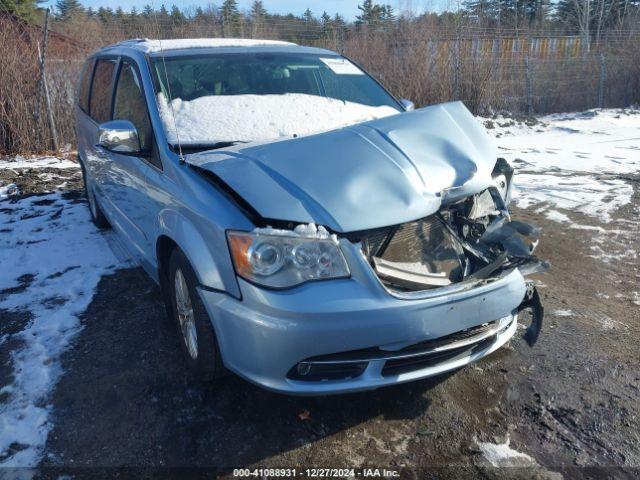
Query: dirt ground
column 571, row 402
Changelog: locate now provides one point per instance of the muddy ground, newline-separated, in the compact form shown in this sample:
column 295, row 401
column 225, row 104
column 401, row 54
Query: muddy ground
column 571, row 402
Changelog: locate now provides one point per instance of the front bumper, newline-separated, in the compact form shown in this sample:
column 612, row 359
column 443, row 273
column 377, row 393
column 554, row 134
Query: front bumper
column 264, row 336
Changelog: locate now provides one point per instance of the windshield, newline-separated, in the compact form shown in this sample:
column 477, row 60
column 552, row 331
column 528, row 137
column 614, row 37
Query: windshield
column 232, row 97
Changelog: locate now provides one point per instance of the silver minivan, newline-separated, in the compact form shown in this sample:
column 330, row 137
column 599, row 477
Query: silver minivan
column 309, row 231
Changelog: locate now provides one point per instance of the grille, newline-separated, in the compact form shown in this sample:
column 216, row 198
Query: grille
column 404, row 365
column 467, row 334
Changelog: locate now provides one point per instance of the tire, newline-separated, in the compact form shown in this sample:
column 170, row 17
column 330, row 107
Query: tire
column 198, row 339
column 97, row 217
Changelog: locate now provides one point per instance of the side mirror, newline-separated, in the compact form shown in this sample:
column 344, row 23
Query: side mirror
column 408, row 105
column 119, row 136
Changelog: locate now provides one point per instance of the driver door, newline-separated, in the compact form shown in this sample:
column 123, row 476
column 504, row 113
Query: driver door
column 127, row 182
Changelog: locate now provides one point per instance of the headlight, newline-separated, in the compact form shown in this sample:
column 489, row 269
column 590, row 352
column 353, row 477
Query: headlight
column 285, row 259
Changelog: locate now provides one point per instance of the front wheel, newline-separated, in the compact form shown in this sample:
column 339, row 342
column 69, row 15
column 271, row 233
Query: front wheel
column 197, row 335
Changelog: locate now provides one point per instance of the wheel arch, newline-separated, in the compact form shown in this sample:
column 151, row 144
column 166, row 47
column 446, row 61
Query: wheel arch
column 178, row 232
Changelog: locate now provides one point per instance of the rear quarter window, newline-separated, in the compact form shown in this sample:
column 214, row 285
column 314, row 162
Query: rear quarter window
column 100, row 102
column 85, row 83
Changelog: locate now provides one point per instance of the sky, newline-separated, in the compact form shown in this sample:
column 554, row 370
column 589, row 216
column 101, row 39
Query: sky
column 346, row 8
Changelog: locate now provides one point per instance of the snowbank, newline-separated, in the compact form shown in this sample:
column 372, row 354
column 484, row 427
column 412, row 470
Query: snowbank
column 150, row 46
column 573, row 161
column 20, row 162
column 249, row 118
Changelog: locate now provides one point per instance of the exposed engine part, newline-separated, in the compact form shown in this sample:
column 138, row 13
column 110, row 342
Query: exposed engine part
column 472, row 238
column 487, row 270
column 483, row 205
column 418, row 255
column 510, row 235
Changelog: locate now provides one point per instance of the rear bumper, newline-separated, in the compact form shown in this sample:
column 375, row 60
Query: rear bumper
column 264, row 336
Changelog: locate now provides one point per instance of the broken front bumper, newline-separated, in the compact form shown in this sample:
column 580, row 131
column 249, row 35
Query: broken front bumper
column 347, row 335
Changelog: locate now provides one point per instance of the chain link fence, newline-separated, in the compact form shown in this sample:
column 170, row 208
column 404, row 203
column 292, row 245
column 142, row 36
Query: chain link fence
column 490, row 70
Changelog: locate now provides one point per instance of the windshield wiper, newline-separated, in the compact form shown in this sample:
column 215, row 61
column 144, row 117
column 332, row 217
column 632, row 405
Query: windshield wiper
column 206, row 146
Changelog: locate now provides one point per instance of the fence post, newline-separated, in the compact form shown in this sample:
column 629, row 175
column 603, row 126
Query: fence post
column 528, row 109
column 43, row 88
column 456, row 70
column 603, row 73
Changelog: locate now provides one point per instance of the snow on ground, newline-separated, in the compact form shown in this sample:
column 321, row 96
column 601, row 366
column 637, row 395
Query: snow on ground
column 8, row 190
column 577, row 163
column 52, row 258
column 37, row 162
column 250, row 118
column 574, row 161
column 502, row 455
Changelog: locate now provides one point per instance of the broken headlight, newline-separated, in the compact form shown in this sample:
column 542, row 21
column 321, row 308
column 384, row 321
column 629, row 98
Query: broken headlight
column 283, row 261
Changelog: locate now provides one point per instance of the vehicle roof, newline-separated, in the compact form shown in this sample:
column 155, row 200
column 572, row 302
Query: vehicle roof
column 190, row 46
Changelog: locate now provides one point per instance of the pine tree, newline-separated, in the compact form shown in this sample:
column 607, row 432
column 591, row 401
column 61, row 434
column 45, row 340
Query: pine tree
column 257, row 10
column 308, row 16
column 26, row 9
column 482, row 10
column 257, row 14
column 326, row 25
column 230, row 17
column 372, row 13
column 68, row 8
column 388, row 14
column 536, row 11
column 176, row 15
column 147, row 11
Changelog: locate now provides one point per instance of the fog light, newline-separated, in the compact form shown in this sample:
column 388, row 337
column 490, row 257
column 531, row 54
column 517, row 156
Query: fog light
column 304, row 368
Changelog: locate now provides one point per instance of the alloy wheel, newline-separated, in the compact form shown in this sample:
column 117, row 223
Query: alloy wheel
column 185, row 314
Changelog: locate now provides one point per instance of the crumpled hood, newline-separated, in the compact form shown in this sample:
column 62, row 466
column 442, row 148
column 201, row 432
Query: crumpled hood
column 374, row 174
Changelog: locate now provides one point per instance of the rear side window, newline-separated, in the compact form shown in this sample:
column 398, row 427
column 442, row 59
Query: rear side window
column 100, row 103
column 85, row 83
column 130, row 104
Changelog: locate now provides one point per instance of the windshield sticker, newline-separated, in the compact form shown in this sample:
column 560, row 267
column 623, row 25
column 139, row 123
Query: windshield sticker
column 341, row 66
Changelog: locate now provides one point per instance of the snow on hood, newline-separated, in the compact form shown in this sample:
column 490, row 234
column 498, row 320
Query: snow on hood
column 374, row 174
column 251, row 118
column 151, row 46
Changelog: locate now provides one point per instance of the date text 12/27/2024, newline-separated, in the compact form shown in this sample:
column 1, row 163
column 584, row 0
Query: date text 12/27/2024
column 316, row 472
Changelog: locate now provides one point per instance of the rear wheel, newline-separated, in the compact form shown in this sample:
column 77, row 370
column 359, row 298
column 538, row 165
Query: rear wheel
column 97, row 216
column 196, row 331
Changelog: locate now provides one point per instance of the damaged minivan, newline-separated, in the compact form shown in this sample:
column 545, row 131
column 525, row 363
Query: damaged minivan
column 309, row 231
